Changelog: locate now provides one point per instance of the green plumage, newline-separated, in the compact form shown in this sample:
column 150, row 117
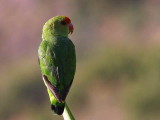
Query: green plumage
column 57, row 61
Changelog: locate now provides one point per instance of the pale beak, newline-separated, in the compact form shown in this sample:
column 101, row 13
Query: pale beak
column 71, row 28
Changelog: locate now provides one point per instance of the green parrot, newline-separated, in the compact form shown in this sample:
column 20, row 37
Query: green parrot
column 57, row 60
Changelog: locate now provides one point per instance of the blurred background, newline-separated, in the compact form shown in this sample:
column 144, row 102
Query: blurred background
column 118, row 59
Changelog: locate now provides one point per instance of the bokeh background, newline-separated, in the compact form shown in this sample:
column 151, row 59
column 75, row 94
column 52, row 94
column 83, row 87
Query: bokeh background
column 118, row 59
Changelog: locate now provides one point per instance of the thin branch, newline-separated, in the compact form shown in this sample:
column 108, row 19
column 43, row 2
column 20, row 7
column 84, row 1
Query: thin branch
column 67, row 114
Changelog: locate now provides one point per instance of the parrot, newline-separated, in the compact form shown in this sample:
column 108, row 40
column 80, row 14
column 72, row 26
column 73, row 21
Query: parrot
column 57, row 60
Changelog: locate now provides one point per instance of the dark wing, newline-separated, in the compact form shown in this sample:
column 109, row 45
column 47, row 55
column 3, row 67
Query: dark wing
column 52, row 88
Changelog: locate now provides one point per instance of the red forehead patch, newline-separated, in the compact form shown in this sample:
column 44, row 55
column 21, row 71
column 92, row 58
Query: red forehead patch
column 67, row 20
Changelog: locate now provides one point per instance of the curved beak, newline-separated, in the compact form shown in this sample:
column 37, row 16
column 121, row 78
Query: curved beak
column 71, row 28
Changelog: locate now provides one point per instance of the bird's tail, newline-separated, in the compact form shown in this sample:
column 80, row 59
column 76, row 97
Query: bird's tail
column 58, row 109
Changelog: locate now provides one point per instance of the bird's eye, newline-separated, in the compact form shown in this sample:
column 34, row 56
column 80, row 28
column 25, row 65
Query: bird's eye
column 63, row 23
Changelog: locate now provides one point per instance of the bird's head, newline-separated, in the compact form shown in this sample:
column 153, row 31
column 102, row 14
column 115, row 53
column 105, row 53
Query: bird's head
column 59, row 25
